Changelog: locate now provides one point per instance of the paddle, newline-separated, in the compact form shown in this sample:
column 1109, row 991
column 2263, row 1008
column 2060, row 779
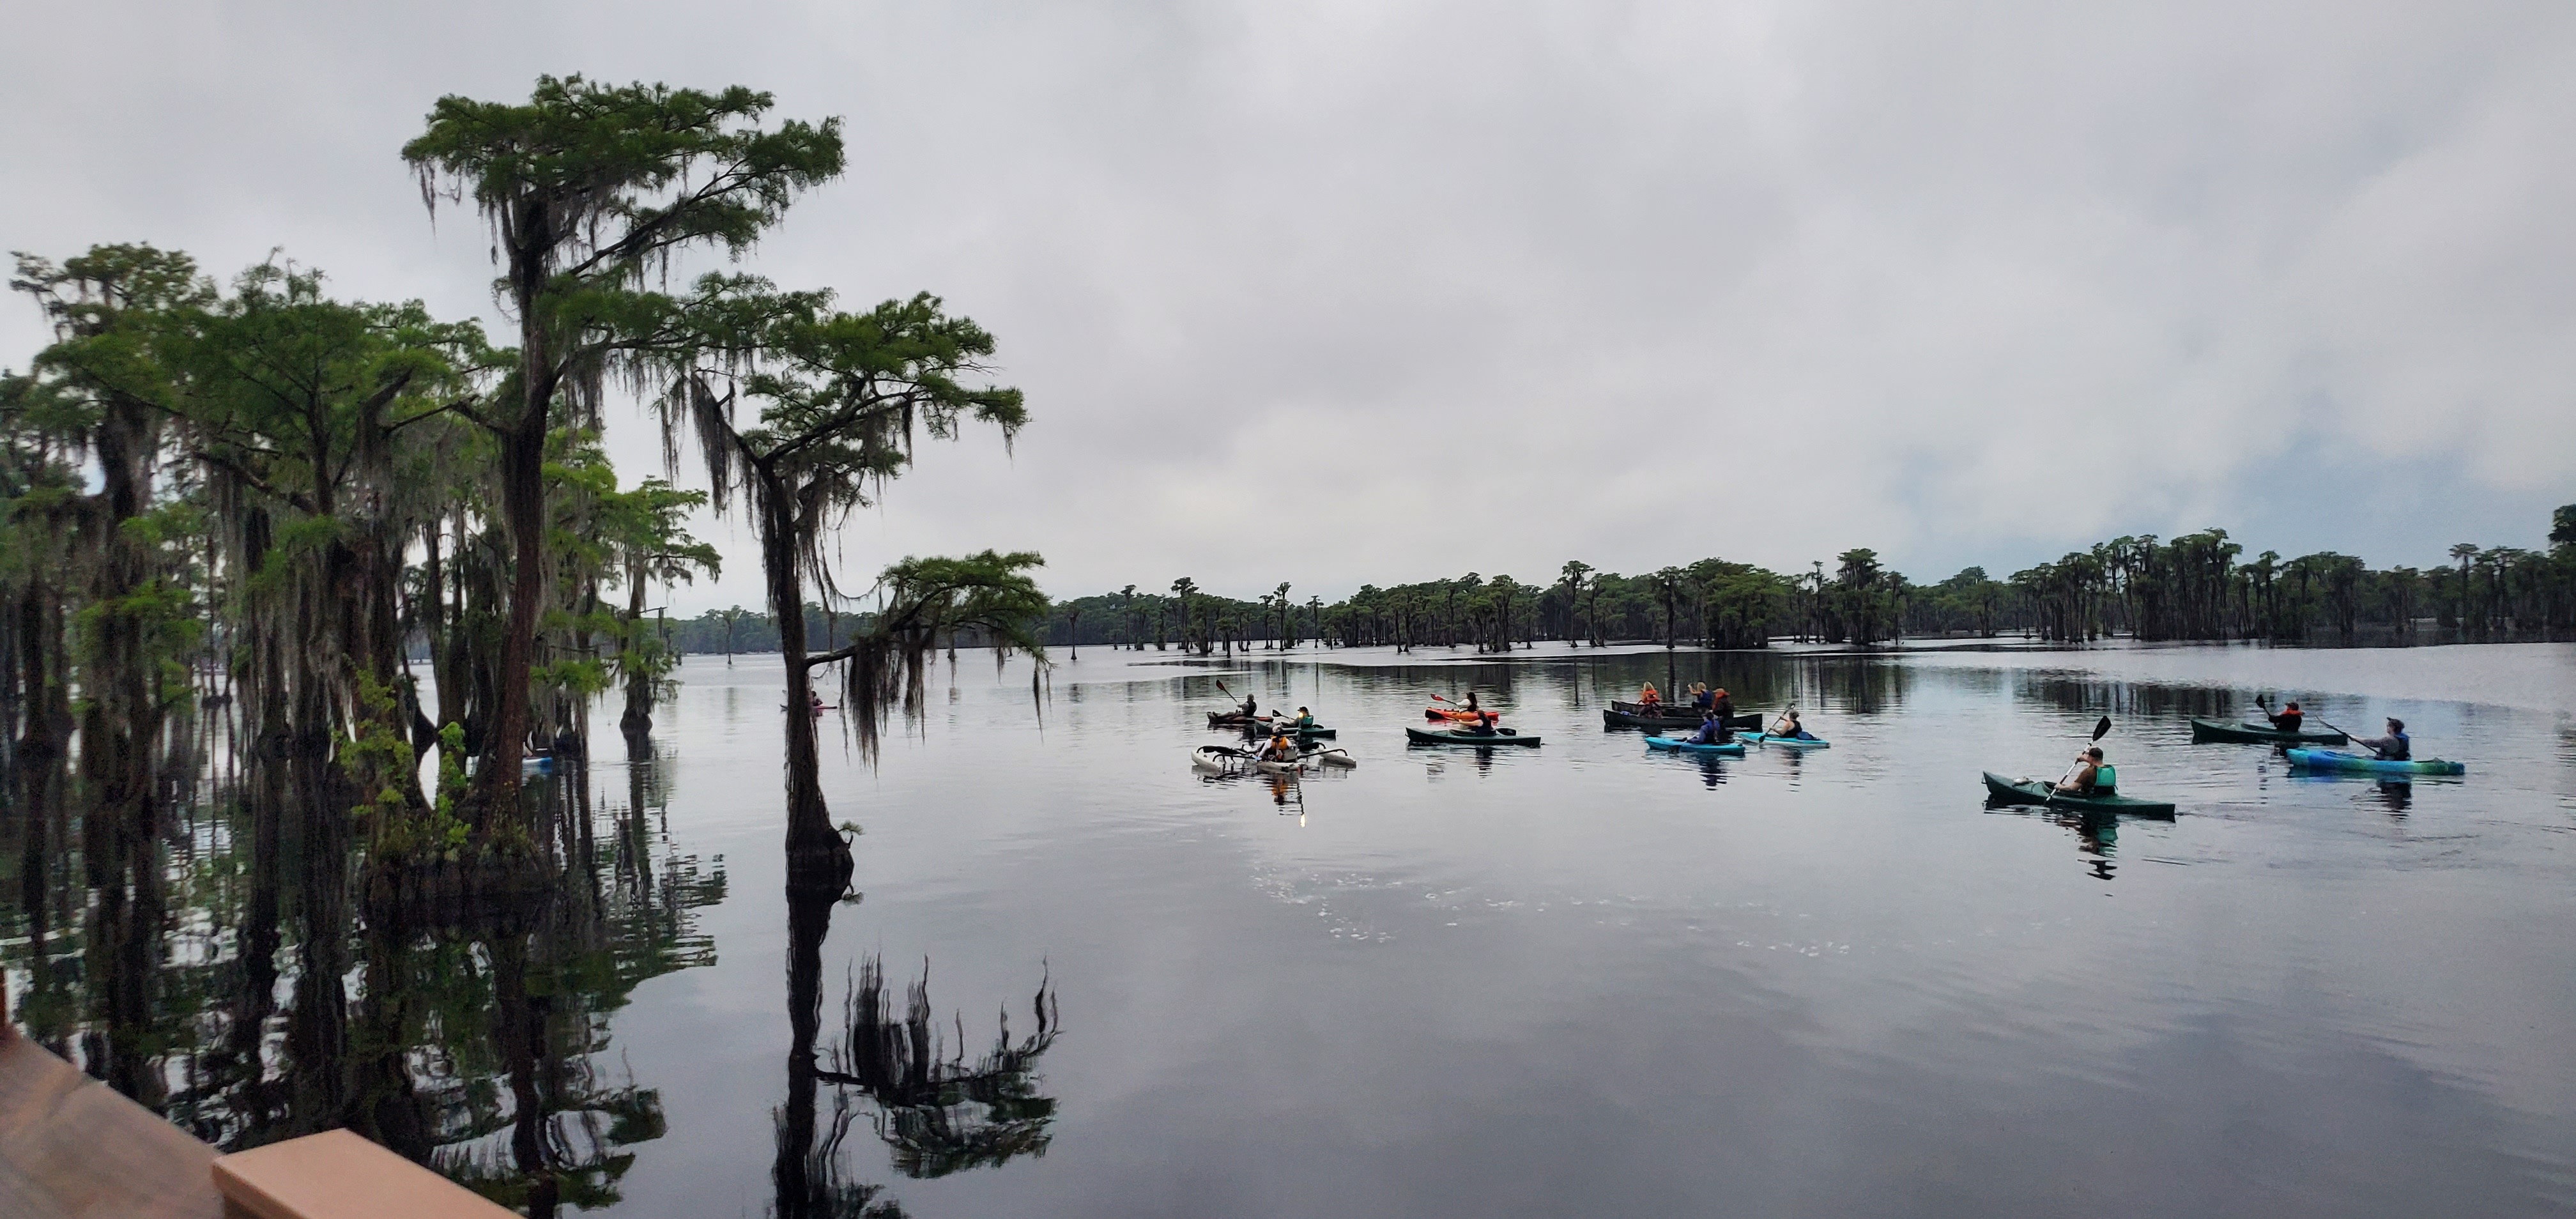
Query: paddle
column 2100, row 730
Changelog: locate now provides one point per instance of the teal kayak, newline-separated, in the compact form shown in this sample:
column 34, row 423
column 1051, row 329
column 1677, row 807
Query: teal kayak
column 2034, row 791
column 1793, row 742
column 1460, row 736
column 2329, row 759
column 1685, row 745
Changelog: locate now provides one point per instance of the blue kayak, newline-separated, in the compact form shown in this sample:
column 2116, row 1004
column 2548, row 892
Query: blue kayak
column 2332, row 759
column 1793, row 742
column 1684, row 745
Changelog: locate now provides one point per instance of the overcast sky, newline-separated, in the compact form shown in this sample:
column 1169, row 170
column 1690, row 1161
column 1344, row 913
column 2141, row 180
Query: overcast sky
column 1488, row 286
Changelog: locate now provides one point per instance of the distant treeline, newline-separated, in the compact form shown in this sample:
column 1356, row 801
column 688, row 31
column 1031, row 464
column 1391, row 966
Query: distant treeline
column 2196, row 587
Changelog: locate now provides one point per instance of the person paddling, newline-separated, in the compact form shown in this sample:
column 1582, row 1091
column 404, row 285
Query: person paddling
column 1699, row 697
column 1790, row 727
column 1647, row 697
column 1283, row 748
column 2087, row 773
column 814, row 702
column 1305, row 719
column 1712, row 730
column 1251, row 710
column 2289, row 719
column 1483, row 725
column 1721, row 704
column 2395, row 747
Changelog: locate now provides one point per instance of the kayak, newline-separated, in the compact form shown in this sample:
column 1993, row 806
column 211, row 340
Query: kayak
column 1454, row 736
column 1457, row 715
column 2033, row 791
column 1236, row 720
column 1613, row 717
column 1790, row 742
column 2328, row 759
column 1680, row 745
column 2216, row 730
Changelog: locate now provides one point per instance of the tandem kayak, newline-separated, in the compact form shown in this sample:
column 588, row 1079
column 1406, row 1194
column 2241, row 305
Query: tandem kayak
column 2033, row 791
column 1263, row 723
column 2218, row 730
column 1681, row 745
column 1789, row 742
column 2328, row 759
column 1456, row 736
column 1613, row 717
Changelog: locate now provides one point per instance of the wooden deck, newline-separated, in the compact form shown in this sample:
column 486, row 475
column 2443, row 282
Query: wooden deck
column 71, row 1148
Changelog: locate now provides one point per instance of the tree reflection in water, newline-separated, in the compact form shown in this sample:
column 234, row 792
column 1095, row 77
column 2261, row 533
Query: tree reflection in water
column 471, row 1037
column 936, row 1112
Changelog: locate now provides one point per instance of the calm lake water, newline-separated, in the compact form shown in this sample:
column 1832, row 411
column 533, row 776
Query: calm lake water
column 1577, row 979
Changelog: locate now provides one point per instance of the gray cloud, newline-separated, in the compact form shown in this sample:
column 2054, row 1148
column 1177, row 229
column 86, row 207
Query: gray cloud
column 1489, row 286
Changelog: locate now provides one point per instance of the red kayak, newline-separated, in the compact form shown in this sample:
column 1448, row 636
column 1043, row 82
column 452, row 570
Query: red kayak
column 1458, row 714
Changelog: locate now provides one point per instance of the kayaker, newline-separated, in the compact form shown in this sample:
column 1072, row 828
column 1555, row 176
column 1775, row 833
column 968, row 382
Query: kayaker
column 1648, row 698
column 1789, row 726
column 1721, row 704
column 1249, row 711
column 2289, row 719
column 814, row 702
column 1712, row 730
column 2088, row 770
column 1483, row 724
column 2395, row 747
column 1470, row 704
column 1282, row 748
column 1699, row 697
column 1305, row 719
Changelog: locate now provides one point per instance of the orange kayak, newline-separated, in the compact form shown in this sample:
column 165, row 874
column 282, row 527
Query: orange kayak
column 1457, row 714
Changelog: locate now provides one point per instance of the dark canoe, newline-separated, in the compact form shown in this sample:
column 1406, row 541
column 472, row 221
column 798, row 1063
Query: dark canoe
column 2264, row 734
column 1236, row 722
column 1622, row 715
column 2032, row 791
column 1454, row 736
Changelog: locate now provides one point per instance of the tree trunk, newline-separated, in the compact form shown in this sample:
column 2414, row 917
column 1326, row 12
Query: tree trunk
column 818, row 858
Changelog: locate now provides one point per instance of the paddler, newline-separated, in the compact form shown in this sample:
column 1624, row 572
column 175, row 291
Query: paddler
column 1282, row 748
column 1788, row 726
column 2289, row 719
column 1647, row 697
column 2088, row 771
column 1721, row 704
column 1699, row 697
column 2395, row 747
column 1712, row 730
column 1249, row 710
column 1484, row 724
column 1305, row 719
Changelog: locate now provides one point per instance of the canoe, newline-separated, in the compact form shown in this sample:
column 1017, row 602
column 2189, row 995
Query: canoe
column 1613, row 717
column 1453, row 736
column 1789, row 742
column 1680, row 745
column 2033, row 791
column 2219, row 730
column 1263, row 723
column 2328, row 759
column 1458, row 714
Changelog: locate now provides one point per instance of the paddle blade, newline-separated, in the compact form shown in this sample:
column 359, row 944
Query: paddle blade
column 2102, row 729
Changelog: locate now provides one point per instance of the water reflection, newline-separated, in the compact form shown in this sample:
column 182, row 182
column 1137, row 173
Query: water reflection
column 935, row 1112
column 2097, row 833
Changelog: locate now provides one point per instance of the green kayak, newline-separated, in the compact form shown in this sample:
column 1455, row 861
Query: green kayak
column 1455, row 736
column 1792, row 742
column 2217, row 730
column 2033, row 791
column 1619, row 715
column 2328, row 759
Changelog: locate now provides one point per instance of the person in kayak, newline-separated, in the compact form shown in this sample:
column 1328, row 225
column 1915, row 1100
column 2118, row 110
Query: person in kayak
column 1712, row 730
column 1249, row 710
column 1305, row 719
column 1483, row 725
column 1699, row 697
column 1721, row 704
column 2395, row 747
column 1647, row 697
column 1790, row 727
column 1282, row 748
column 814, row 702
column 1470, row 704
column 2289, row 719
column 2087, row 772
